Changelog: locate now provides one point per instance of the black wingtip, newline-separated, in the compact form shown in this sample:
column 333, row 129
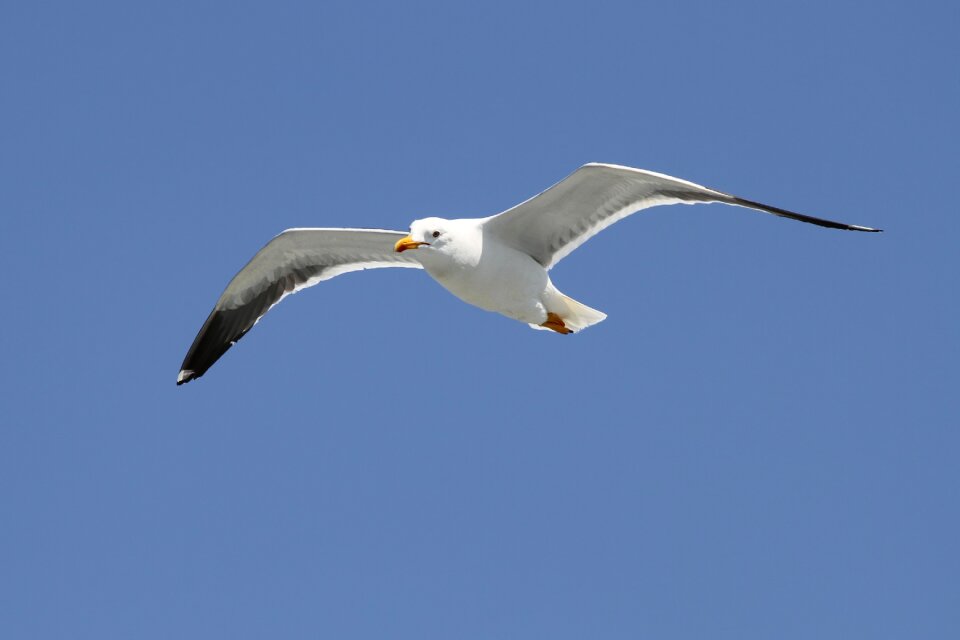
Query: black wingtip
column 856, row 227
column 822, row 222
column 221, row 331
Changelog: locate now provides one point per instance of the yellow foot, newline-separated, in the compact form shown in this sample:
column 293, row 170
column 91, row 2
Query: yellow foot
column 554, row 323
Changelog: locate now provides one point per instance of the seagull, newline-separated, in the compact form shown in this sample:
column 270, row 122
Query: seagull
column 500, row 263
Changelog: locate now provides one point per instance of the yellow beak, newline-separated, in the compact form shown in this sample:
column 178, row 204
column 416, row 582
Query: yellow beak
column 406, row 243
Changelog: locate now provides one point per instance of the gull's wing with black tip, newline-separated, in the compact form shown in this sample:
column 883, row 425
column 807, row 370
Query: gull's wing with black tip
column 549, row 226
column 294, row 260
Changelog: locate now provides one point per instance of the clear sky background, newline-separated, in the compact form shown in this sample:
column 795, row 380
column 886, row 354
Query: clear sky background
column 760, row 442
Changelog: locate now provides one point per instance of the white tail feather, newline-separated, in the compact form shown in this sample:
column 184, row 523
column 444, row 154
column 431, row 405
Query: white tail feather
column 576, row 315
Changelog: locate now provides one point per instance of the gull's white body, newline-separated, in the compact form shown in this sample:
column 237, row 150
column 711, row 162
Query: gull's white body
column 489, row 275
column 482, row 270
column 499, row 263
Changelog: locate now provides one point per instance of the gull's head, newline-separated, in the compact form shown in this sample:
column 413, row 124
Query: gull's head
column 429, row 232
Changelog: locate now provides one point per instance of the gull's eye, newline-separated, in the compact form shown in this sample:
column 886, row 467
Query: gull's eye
column 436, row 234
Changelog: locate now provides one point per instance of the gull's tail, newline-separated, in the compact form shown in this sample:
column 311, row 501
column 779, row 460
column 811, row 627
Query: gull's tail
column 575, row 315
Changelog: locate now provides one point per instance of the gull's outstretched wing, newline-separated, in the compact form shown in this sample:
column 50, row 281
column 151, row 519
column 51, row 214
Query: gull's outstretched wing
column 549, row 226
column 294, row 260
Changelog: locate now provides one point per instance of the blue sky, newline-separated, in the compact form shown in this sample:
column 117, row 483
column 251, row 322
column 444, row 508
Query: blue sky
column 761, row 440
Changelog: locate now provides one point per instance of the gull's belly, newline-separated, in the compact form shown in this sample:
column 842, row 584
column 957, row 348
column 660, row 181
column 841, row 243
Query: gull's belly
column 504, row 281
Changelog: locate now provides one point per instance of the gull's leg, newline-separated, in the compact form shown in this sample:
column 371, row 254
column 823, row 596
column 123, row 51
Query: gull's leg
column 554, row 323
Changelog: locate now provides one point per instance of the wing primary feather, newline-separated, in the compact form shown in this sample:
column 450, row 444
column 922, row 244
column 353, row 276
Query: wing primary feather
column 777, row 211
column 223, row 329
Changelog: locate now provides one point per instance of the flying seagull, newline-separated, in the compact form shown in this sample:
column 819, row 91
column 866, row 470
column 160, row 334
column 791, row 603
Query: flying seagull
column 498, row 263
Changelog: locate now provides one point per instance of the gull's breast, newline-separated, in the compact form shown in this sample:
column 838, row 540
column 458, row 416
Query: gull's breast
column 500, row 279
